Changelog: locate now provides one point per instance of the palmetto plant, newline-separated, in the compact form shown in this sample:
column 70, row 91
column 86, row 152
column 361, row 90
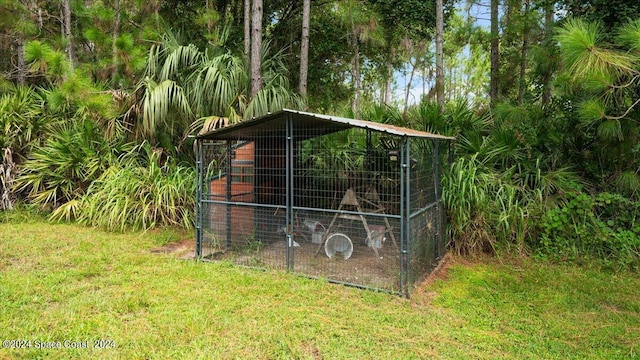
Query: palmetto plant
column 74, row 154
column 458, row 119
column 184, row 83
column 84, row 168
column 22, row 120
column 500, row 178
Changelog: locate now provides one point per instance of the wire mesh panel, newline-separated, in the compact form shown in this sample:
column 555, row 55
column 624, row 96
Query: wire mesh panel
column 345, row 207
column 421, row 180
column 427, row 243
column 343, row 251
column 426, row 235
column 243, row 213
column 321, row 198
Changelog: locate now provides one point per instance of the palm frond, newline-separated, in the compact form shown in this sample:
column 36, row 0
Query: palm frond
column 219, row 83
column 158, row 101
column 181, row 59
column 272, row 97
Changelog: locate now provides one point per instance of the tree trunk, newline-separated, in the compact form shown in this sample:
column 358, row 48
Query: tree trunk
column 247, row 30
column 304, row 47
column 387, row 85
column 495, row 55
column 408, row 90
column 388, row 77
column 256, row 47
column 207, row 5
column 115, row 34
column 354, row 37
column 547, row 86
column 39, row 11
column 523, row 59
column 22, row 66
column 424, row 82
column 356, row 76
column 440, row 54
column 66, row 33
column 7, row 179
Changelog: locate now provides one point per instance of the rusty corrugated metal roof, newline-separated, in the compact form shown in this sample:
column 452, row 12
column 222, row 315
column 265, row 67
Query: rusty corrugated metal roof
column 274, row 124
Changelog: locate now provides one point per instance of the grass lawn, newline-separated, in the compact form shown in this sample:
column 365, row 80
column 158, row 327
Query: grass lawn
column 66, row 282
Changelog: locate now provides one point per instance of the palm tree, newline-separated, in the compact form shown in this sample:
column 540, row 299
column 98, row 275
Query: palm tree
column 184, row 85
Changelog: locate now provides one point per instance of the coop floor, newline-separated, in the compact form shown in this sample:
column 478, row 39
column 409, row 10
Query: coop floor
column 362, row 268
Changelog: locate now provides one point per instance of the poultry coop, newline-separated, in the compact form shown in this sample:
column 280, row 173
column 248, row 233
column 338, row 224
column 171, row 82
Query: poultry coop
column 351, row 201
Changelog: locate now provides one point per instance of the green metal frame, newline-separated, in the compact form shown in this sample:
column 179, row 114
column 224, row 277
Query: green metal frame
column 405, row 195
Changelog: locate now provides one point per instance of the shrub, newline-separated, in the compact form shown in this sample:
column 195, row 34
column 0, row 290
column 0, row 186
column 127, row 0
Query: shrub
column 135, row 195
column 486, row 210
column 73, row 155
column 602, row 227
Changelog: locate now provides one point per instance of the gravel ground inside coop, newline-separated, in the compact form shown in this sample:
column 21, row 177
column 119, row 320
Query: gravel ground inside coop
column 362, row 268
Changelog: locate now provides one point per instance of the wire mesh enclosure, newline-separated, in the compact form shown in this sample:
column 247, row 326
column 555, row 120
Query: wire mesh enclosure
column 351, row 201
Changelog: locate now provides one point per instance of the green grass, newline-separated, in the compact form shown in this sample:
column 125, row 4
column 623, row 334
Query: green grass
column 66, row 282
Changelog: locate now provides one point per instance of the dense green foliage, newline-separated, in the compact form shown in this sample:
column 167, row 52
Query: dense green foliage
column 141, row 196
column 604, row 226
column 62, row 168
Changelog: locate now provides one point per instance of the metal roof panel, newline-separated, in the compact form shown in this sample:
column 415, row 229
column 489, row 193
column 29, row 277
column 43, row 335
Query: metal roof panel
column 274, row 124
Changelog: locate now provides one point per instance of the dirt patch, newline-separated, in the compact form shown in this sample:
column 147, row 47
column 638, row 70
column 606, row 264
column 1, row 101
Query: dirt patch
column 309, row 350
column 183, row 249
column 423, row 293
column 363, row 267
column 441, row 272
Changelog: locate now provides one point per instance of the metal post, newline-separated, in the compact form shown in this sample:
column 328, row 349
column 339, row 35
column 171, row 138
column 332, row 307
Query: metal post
column 405, row 212
column 445, row 234
column 436, row 186
column 228, row 195
column 402, row 216
column 407, row 242
column 289, row 192
column 368, row 162
column 198, row 204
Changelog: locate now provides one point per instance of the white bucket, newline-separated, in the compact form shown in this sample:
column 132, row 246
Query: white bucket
column 316, row 237
column 338, row 244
